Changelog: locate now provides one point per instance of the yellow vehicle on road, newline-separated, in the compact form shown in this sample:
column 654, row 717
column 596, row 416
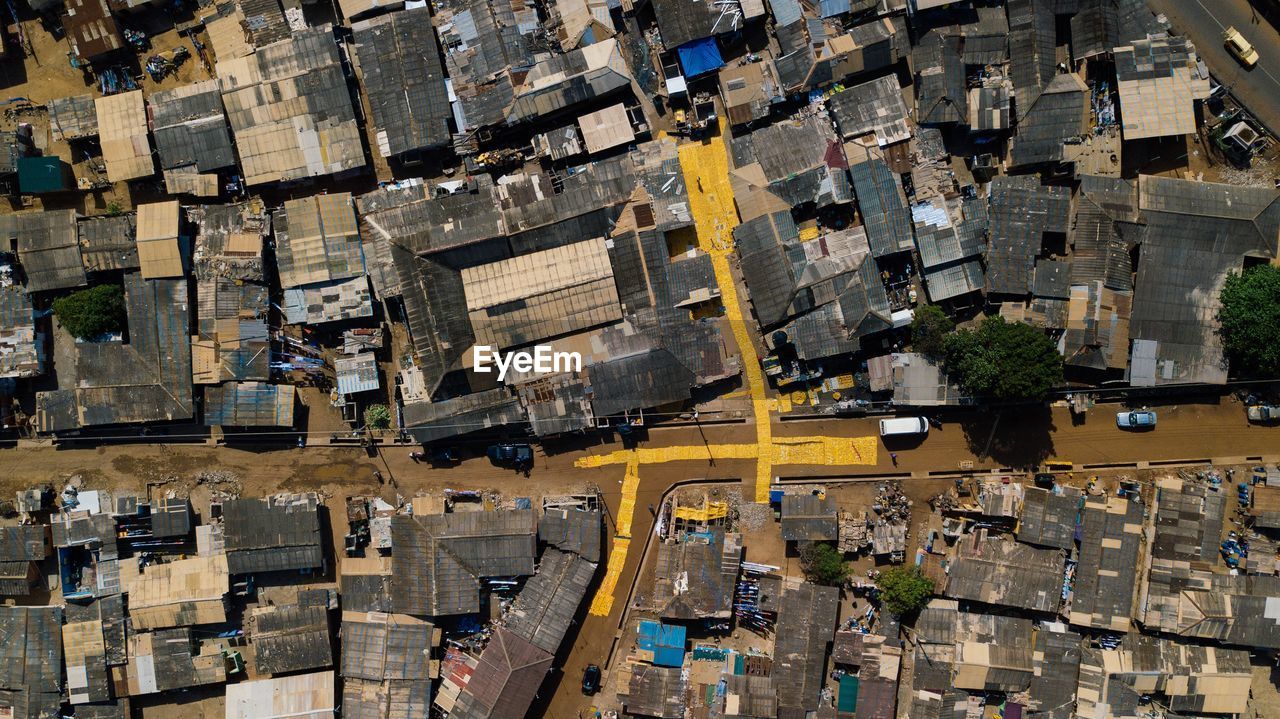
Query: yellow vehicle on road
column 1240, row 47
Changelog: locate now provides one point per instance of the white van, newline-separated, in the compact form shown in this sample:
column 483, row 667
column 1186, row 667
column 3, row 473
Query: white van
column 903, row 425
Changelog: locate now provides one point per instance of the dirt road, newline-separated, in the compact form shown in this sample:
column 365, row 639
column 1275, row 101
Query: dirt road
column 1215, row 429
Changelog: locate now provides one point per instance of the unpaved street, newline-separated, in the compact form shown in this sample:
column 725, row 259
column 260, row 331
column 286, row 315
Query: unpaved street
column 1201, row 431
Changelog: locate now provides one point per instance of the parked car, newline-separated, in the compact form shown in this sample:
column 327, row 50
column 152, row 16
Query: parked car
column 591, row 679
column 444, row 456
column 1240, row 47
column 511, row 456
column 1263, row 412
column 1137, row 419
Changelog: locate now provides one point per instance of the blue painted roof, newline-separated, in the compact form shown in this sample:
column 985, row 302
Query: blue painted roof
column 666, row 641
column 831, row 8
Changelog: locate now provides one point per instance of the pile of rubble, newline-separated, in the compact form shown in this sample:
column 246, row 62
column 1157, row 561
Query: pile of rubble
column 889, row 530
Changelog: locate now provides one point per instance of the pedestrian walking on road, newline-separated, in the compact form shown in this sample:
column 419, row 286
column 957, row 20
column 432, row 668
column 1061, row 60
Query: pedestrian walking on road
column 894, row 456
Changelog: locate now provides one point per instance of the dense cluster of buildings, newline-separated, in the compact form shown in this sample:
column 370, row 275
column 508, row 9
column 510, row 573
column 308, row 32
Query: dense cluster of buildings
column 974, row 155
column 1048, row 602
column 445, row 604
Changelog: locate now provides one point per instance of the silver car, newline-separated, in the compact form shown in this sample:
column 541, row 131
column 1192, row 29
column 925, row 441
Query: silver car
column 1136, row 419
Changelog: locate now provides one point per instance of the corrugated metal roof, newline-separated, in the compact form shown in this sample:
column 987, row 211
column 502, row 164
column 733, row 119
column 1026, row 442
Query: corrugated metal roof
column 651, row 379
column 1058, row 114
column 875, row 106
column 654, row 692
column 805, row 628
column 573, row 530
column 1049, row 519
column 73, row 117
column 1006, row 573
column 1196, row 234
column 49, row 249
column 941, row 92
column 883, row 206
column 146, row 380
column 272, row 534
column 1106, row 575
column 1021, row 211
column 318, row 240
column 696, row 575
column 429, row 421
column 31, row 660
column 546, row 606
column 681, row 21
column 190, row 127
column 399, row 63
column 249, row 404
column 1032, row 34
column 808, row 517
column 438, row 560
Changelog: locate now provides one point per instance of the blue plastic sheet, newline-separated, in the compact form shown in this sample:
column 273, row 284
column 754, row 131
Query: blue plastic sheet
column 700, row 57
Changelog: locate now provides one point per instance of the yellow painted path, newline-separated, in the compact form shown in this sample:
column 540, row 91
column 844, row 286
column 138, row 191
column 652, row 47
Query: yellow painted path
column 602, row 602
column 831, row 451
column 706, row 176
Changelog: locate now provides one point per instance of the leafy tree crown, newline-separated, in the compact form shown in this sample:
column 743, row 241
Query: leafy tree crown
column 92, row 313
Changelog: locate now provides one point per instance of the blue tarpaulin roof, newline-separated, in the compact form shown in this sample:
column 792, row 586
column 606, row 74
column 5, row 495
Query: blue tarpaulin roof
column 666, row 641
column 700, row 57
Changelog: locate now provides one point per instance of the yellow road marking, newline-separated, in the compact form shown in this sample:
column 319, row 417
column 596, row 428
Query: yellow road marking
column 706, row 175
column 602, row 602
column 627, row 506
column 782, row 450
column 825, row 450
column 836, row 451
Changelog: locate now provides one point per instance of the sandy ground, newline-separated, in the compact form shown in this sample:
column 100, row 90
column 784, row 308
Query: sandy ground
column 1186, row 431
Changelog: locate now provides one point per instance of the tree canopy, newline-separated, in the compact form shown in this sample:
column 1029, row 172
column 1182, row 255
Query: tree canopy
column 929, row 330
column 377, row 416
column 1003, row 360
column 823, row 564
column 1250, row 321
column 903, row 589
column 92, row 313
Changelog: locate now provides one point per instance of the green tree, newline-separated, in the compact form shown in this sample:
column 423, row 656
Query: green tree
column 1250, row 321
column 822, row 564
column 377, row 416
column 929, row 330
column 1003, row 360
column 93, row 312
column 903, row 589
